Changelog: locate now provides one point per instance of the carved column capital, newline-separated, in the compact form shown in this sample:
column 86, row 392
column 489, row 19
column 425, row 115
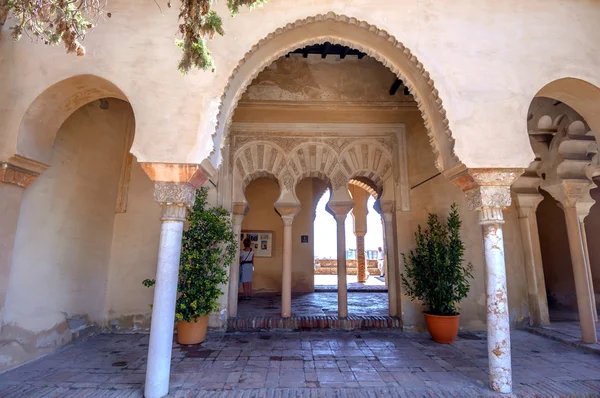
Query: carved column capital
column 20, row 171
column 574, row 193
column 174, row 198
column 339, row 210
column 487, row 190
column 287, row 212
column 175, row 187
column 240, row 209
column 527, row 203
column 287, row 220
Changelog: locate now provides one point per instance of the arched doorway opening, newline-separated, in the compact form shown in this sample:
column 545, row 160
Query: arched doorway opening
column 81, row 130
column 556, row 198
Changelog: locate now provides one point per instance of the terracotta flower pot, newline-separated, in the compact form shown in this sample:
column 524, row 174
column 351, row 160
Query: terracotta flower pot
column 192, row 332
column 442, row 328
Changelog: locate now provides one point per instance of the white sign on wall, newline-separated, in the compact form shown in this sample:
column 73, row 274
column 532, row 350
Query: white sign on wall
column 260, row 241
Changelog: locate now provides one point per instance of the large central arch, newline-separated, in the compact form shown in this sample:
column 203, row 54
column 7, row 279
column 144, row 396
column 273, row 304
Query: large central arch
column 340, row 29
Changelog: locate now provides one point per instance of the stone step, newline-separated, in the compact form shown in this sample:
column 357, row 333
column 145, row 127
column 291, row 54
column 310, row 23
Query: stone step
column 305, row 323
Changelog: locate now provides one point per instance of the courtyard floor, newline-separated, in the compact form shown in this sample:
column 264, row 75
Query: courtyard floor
column 308, row 364
column 316, row 304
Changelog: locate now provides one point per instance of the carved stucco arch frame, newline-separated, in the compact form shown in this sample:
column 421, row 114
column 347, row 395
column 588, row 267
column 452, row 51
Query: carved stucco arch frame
column 251, row 161
column 340, row 29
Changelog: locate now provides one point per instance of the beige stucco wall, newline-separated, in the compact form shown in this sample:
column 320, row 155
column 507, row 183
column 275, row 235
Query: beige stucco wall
column 556, row 257
column 487, row 58
column 436, row 196
column 261, row 195
column 64, row 234
column 134, row 255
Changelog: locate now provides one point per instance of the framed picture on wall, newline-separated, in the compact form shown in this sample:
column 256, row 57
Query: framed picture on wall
column 260, row 241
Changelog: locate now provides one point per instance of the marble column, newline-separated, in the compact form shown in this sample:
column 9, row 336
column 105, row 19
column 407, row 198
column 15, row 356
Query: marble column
column 239, row 212
column 287, row 213
column 498, row 321
column 286, row 273
column 339, row 212
column 583, row 283
column 488, row 192
column 15, row 176
column 588, row 267
column 534, row 270
column 340, row 220
column 392, row 272
column 175, row 190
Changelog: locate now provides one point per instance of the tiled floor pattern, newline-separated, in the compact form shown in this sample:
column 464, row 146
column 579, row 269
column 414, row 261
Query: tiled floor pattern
column 316, row 304
column 308, row 365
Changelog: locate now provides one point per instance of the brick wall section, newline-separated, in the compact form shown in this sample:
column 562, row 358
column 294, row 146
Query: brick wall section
column 298, row 323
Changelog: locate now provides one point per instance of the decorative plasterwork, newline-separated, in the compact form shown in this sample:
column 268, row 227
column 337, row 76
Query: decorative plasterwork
column 487, row 190
column 174, row 193
column 566, row 155
column 20, row 171
column 291, row 157
column 349, row 32
column 366, row 187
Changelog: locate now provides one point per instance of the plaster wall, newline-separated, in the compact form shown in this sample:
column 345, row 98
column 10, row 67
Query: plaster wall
column 10, row 203
column 481, row 55
column 134, row 255
column 261, row 194
column 331, row 79
column 592, row 229
column 436, row 196
column 60, row 261
column 556, row 257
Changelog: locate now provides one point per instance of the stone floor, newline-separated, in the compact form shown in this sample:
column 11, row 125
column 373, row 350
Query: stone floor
column 316, row 304
column 311, row 364
column 566, row 331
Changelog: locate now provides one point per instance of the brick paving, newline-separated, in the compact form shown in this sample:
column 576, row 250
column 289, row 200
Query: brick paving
column 316, row 304
column 308, row 365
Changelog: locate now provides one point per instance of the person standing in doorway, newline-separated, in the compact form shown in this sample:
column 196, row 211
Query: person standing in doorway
column 380, row 262
column 246, row 268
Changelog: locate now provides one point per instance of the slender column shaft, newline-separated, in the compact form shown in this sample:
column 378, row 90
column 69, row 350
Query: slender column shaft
column 392, row 264
column 582, row 282
column 536, row 286
column 341, row 266
column 385, row 249
column 163, row 308
column 286, row 277
column 360, row 258
column 234, row 271
column 498, row 322
column 588, row 268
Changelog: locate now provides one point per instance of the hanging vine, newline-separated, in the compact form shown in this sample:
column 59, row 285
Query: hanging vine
column 67, row 21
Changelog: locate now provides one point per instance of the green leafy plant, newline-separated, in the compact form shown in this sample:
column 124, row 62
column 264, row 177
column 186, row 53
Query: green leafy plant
column 55, row 21
column 208, row 248
column 435, row 274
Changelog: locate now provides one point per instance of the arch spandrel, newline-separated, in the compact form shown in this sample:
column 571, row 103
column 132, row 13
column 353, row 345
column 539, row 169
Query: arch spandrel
column 340, row 29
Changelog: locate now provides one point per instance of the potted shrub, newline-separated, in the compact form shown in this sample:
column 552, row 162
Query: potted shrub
column 208, row 248
column 436, row 276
